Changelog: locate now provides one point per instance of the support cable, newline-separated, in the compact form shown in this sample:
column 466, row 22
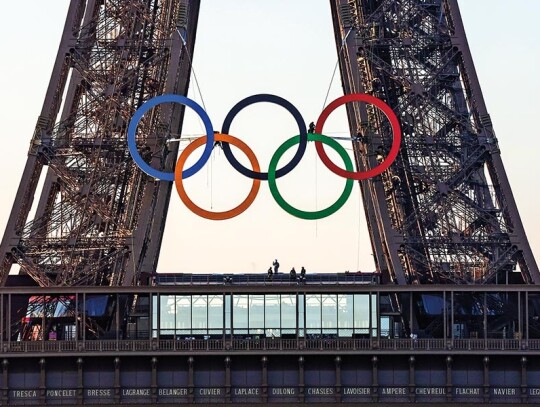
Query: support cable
column 323, row 106
column 336, row 67
column 184, row 42
column 210, row 169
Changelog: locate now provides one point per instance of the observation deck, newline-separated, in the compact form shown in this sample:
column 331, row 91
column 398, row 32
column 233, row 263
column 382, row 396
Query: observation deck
column 252, row 339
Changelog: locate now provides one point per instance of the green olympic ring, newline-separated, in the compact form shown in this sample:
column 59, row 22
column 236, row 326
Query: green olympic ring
column 291, row 209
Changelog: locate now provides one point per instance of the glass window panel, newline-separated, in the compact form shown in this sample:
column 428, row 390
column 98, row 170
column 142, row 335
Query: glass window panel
column 183, row 314
column 432, row 304
column 374, row 311
column 301, row 315
column 65, row 306
column 345, row 314
column 288, row 311
column 215, row 311
column 313, row 314
column 228, row 306
column 272, row 315
column 329, row 313
column 167, row 314
column 199, row 314
column 154, row 315
column 95, row 305
column 240, row 313
column 35, row 307
column 361, row 314
column 256, row 314
column 385, row 326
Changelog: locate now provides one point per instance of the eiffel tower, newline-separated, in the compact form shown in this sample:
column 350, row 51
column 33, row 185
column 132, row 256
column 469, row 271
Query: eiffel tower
column 443, row 213
column 87, row 322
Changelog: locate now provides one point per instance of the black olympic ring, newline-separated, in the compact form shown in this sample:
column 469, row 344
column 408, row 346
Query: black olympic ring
column 280, row 102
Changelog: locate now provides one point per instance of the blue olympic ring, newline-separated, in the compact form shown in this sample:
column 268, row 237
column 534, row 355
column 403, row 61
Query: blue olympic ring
column 132, row 129
column 280, row 102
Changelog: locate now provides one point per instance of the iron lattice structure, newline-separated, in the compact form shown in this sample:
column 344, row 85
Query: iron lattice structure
column 444, row 211
column 99, row 219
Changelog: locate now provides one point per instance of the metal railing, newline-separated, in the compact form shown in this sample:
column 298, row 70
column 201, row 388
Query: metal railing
column 272, row 345
column 265, row 279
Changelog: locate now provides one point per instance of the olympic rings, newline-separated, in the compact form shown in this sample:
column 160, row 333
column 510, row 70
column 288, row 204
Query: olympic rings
column 178, row 178
column 169, row 176
column 297, row 212
column 280, row 102
column 390, row 115
column 255, row 174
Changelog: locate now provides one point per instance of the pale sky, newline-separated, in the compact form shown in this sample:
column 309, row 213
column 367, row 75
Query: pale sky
column 283, row 47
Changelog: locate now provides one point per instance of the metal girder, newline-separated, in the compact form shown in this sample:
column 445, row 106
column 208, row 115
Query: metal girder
column 444, row 211
column 99, row 219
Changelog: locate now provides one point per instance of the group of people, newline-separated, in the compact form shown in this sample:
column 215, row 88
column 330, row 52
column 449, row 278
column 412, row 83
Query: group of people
column 274, row 271
column 292, row 273
column 302, row 274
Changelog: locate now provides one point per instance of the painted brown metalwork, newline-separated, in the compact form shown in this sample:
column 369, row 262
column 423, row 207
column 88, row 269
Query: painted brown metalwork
column 444, row 211
column 99, row 220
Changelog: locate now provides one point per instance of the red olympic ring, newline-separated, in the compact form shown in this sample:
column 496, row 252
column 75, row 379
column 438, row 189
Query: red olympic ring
column 396, row 130
column 231, row 213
